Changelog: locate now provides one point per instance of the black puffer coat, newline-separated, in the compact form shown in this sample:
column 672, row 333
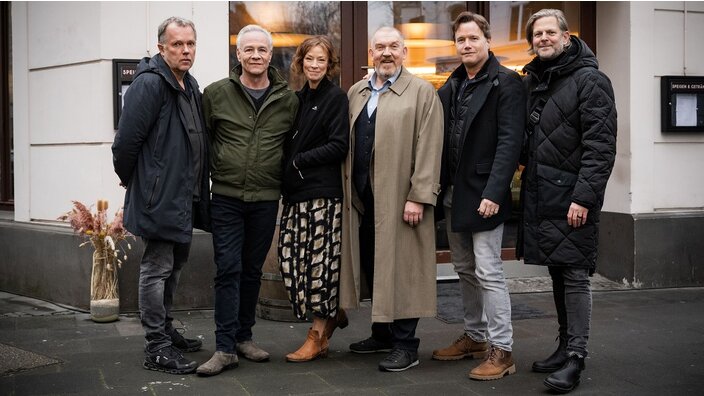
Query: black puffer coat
column 570, row 155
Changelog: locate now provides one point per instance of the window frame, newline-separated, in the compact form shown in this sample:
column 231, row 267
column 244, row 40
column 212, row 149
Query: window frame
column 6, row 171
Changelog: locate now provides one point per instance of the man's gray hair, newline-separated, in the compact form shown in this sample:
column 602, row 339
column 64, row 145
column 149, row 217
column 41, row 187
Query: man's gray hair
column 388, row 29
column 182, row 22
column 254, row 28
column 545, row 12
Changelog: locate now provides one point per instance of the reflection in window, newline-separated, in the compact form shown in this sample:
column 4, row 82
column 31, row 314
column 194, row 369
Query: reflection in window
column 508, row 27
column 289, row 23
column 427, row 28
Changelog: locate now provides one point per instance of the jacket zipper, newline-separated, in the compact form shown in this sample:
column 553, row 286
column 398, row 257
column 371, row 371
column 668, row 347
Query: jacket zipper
column 151, row 197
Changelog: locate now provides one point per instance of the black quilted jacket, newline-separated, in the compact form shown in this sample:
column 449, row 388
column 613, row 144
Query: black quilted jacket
column 570, row 153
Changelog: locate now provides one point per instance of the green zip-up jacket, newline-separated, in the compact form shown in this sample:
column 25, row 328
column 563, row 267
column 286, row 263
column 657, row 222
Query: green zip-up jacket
column 247, row 145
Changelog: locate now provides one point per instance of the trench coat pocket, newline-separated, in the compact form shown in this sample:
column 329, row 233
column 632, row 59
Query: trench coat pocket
column 555, row 188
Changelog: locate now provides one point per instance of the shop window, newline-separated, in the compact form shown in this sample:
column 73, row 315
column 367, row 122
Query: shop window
column 427, row 29
column 508, row 28
column 289, row 23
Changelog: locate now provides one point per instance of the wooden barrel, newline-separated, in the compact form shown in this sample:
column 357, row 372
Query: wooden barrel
column 273, row 303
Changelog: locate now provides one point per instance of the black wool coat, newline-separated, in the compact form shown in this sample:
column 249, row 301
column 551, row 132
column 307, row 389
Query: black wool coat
column 570, row 155
column 318, row 144
column 494, row 124
column 152, row 157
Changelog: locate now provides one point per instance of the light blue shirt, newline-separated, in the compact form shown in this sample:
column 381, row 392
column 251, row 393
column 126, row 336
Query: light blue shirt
column 374, row 98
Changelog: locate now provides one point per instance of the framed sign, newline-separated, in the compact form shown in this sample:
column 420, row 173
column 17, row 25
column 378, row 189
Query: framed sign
column 123, row 72
column 682, row 100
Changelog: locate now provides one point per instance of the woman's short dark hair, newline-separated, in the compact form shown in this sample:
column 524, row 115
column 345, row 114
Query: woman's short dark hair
column 307, row 45
column 466, row 17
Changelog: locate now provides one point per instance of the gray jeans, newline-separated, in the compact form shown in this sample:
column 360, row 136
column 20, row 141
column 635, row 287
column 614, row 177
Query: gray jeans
column 572, row 292
column 159, row 272
column 476, row 257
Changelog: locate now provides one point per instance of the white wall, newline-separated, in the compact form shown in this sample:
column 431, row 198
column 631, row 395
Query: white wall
column 638, row 42
column 62, row 68
column 613, row 46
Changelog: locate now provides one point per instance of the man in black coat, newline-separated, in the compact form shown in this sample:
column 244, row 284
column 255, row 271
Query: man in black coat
column 484, row 122
column 571, row 147
column 160, row 155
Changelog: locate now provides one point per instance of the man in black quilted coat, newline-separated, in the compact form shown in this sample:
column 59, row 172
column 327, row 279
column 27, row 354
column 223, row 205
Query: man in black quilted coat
column 569, row 154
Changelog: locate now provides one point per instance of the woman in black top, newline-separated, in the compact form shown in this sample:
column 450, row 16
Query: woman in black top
column 311, row 224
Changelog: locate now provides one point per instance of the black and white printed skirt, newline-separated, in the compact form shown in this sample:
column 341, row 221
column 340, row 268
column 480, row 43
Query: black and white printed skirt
column 309, row 255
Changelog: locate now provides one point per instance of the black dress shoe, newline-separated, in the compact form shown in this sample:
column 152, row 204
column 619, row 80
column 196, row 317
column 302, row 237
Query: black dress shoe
column 567, row 378
column 371, row 345
column 399, row 360
column 555, row 361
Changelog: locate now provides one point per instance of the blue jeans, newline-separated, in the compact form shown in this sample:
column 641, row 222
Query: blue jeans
column 476, row 257
column 159, row 272
column 242, row 235
column 572, row 292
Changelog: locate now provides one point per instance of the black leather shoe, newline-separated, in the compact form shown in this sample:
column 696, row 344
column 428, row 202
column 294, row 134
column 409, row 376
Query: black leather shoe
column 185, row 344
column 399, row 360
column 370, row 345
column 555, row 361
column 567, row 378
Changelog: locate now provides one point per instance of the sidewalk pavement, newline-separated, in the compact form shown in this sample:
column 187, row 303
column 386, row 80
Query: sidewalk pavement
column 644, row 342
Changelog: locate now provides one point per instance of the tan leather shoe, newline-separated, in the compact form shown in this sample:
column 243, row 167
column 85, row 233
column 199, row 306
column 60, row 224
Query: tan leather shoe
column 219, row 362
column 463, row 347
column 340, row 320
column 314, row 347
column 498, row 363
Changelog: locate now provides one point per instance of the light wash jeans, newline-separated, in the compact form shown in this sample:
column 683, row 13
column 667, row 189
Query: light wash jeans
column 476, row 257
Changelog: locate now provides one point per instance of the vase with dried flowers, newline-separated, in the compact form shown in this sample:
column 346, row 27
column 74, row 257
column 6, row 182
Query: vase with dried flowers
column 110, row 243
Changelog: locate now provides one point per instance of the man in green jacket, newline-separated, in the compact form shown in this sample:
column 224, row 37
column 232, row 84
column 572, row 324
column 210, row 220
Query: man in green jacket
column 248, row 116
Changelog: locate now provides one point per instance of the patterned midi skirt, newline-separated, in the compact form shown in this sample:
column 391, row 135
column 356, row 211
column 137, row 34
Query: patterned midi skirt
column 309, row 255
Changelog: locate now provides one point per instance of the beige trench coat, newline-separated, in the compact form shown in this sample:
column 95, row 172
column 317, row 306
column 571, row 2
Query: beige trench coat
column 405, row 167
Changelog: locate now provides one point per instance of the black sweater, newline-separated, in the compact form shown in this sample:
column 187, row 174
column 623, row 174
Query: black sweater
column 317, row 145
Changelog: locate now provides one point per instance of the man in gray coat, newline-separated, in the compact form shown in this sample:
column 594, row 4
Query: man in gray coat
column 161, row 158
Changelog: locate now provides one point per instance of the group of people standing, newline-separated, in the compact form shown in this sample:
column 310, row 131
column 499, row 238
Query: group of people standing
column 362, row 177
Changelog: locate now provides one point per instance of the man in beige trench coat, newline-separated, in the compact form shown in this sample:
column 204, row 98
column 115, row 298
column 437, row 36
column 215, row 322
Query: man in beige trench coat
column 391, row 185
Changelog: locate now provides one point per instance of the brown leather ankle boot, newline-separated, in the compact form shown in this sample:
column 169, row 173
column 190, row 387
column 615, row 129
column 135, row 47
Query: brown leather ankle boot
column 314, row 347
column 497, row 364
column 340, row 320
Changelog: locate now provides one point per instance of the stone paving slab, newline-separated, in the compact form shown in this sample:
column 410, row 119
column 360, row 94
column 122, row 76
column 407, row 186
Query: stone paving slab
column 16, row 359
column 644, row 342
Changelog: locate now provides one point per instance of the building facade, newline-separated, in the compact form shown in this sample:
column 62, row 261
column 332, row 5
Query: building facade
column 58, row 95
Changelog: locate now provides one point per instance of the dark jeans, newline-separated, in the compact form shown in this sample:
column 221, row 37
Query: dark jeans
column 401, row 332
column 159, row 271
column 572, row 292
column 242, row 235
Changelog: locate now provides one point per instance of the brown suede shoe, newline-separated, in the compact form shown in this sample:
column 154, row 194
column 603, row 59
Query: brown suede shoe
column 314, row 347
column 463, row 347
column 340, row 320
column 498, row 363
